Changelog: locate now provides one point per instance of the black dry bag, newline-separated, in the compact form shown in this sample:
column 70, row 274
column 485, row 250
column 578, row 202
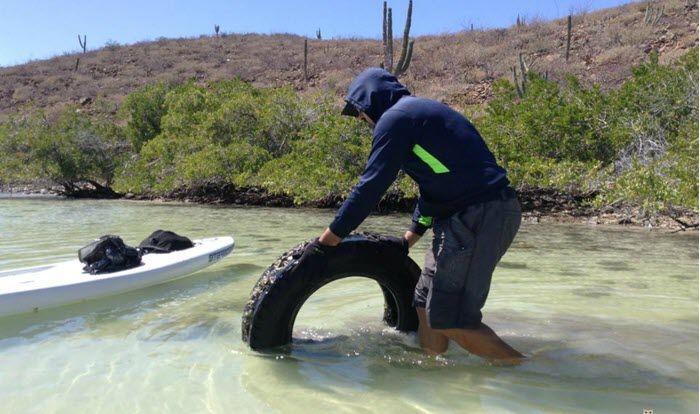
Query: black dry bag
column 108, row 254
column 164, row 241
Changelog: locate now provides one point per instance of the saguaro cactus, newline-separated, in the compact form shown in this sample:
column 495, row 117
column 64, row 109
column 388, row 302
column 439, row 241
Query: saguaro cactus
column 318, row 34
column 520, row 81
column 306, row 54
column 568, row 36
column 388, row 42
column 83, row 42
column 653, row 14
column 216, row 30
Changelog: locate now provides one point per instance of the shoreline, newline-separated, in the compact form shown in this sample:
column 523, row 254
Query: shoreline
column 539, row 205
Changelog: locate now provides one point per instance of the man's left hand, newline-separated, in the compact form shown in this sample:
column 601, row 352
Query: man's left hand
column 411, row 237
column 399, row 243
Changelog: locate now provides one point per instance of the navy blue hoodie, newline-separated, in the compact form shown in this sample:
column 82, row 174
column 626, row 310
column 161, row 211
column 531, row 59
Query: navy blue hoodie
column 435, row 145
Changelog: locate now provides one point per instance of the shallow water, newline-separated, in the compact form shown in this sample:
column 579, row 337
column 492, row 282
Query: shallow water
column 608, row 316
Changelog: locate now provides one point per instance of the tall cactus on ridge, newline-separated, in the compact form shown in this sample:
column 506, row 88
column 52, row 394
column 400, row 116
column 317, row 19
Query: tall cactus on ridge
column 520, row 81
column 653, row 14
column 568, row 37
column 306, row 58
column 387, row 39
column 388, row 42
column 83, row 43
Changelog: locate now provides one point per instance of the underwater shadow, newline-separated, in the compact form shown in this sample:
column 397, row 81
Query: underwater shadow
column 576, row 351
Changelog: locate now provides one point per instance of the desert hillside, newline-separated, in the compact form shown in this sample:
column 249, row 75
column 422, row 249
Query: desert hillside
column 457, row 68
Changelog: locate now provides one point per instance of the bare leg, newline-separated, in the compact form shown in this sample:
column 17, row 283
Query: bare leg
column 431, row 341
column 483, row 342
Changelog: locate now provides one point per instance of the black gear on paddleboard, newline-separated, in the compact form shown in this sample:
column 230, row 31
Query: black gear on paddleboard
column 269, row 315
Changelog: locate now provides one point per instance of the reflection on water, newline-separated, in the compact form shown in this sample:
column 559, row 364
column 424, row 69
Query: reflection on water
column 608, row 317
column 592, row 292
column 512, row 265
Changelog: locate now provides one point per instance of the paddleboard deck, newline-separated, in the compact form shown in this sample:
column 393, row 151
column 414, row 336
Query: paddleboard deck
column 34, row 288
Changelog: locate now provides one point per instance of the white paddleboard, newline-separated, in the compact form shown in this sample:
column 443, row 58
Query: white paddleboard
column 33, row 288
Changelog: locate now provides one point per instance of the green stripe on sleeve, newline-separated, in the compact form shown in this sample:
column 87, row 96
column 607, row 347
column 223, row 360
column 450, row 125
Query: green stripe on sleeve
column 425, row 221
column 433, row 163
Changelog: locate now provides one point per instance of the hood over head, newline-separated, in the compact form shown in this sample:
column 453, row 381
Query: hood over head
column 373, row 92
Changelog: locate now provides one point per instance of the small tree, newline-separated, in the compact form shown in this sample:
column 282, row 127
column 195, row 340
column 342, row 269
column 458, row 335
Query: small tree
column 144, row 109
column 73, row 150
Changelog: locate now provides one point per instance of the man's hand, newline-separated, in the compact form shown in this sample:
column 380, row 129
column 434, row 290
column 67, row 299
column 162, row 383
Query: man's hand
column 411, row 237
column 316, row 248
column 315, row 257
column 399, row 243
column 329, row 238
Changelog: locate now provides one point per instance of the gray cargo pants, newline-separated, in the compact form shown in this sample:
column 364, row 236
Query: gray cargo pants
column 466, row 247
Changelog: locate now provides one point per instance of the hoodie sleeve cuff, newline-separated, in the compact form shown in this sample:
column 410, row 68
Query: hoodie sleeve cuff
column 418, row 228
column 338, row 229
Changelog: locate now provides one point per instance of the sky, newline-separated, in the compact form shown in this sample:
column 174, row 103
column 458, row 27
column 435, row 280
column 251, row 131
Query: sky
column 39, row 29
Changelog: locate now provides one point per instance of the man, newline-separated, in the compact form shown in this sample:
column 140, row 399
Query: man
column 464, row 196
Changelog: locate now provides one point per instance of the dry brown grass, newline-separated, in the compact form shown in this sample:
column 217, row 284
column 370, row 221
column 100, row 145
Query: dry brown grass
column 456, row 68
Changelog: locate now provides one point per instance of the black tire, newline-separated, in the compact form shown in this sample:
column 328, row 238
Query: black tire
column 269, row 315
